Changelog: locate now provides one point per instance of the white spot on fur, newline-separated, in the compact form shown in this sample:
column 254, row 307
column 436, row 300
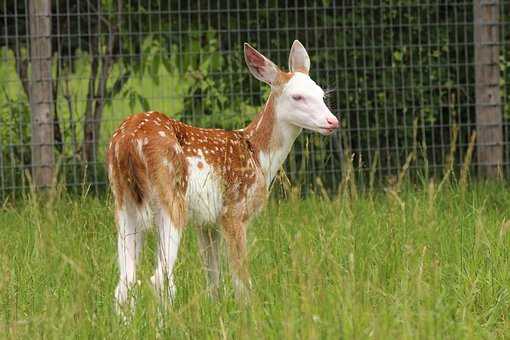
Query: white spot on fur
column 168, row 164
column 162, row 133
column 139, row 147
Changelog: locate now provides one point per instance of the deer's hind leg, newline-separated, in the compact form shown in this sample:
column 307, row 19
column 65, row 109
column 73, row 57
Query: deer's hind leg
column 131, row 223
column 170, row 217
column 168, row 246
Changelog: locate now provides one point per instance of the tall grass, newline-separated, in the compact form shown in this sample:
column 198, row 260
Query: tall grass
column 424, row 262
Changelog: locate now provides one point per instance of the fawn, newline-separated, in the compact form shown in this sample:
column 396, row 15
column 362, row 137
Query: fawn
column 179, row 174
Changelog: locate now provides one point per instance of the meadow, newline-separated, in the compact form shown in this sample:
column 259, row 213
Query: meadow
column 427, row 262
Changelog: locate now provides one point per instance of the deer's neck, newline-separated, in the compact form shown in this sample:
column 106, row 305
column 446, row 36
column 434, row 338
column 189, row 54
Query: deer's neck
column 272, row 138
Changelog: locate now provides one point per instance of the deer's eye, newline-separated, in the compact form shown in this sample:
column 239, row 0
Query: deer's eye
column 297, row 97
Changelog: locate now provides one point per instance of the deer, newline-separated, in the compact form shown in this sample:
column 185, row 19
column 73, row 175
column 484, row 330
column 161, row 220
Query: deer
column 166, row 173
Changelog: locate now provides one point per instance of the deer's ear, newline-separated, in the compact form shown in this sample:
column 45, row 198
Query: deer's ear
column 299, row 61
column 261, row 67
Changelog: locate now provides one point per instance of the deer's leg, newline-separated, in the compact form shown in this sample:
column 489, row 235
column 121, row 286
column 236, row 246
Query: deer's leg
column 129, row 245
column 171, row 176
column 168, row 246
column 208, row 241
column 235, row 237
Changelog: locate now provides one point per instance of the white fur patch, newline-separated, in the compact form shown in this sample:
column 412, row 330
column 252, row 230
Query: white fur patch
column 204, row 194
column 271, row 161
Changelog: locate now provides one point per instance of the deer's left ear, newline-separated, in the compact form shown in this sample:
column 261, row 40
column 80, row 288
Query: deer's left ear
column 261, row 67
column 299, row 61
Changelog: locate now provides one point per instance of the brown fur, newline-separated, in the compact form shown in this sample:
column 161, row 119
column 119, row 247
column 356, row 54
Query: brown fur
column 261, row 128
column 143, row 157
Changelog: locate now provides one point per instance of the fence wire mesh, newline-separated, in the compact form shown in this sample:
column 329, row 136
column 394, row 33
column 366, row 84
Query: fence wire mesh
column 401, row 76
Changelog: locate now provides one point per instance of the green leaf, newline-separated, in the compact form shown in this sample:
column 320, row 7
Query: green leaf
column 144, row 102
column 131, row 100
column 397, row 56
column 154, row 68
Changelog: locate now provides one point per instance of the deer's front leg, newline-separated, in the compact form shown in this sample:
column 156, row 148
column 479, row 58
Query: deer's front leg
column 235, row 236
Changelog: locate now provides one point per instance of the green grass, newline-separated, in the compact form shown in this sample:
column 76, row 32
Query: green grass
column 421, row 264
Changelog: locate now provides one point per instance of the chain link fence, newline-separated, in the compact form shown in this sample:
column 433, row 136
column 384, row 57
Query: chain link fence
column 411, row 81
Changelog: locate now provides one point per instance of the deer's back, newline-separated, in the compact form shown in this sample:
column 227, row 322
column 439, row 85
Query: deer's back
column 216, row 170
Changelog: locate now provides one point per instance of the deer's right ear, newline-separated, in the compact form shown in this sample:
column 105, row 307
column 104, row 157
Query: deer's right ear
column 261, row 67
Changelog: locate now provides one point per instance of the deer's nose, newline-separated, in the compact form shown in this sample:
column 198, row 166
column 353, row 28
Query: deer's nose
column 332, row 122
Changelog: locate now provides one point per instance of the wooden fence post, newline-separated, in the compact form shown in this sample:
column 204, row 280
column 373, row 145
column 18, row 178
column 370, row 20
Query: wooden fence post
column 41, row 99
column 489, row 122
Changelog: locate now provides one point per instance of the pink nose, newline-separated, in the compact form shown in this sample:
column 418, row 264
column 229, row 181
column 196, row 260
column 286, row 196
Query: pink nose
column 332, row 122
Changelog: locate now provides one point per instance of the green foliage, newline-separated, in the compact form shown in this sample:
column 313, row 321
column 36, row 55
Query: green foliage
column 212, row 99
column 14, row 137
column 389, row 67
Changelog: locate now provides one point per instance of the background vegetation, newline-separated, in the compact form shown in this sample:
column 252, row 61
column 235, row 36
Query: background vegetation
column 389, row 66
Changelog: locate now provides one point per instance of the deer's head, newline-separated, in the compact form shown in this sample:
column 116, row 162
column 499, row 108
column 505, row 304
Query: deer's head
column 300, row 101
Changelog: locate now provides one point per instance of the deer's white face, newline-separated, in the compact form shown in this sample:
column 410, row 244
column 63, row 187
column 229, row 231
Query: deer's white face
column 301, row 103
column 300, row 100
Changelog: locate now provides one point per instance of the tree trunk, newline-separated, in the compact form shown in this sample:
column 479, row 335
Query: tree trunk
column 489, row 123
column 41, row 99
column 89, row 135
column 100, row 73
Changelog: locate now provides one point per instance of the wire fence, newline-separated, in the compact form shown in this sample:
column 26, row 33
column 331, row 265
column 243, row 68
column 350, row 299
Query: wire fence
column 404, row 77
